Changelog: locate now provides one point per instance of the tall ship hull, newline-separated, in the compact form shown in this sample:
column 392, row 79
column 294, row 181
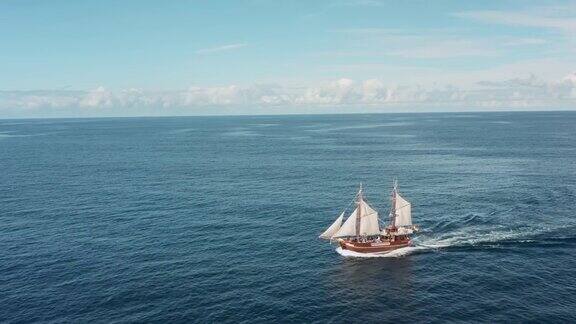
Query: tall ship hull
column 381, row 245
column 362, row 231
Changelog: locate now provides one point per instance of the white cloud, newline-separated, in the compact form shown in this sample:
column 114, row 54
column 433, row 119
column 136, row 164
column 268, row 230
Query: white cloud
column 432, row 44
column 338, row 92
column 222, row 48
column 97, row 98
column 356, row 3
column 447, row 49
column 525, row 42
column 554, row 17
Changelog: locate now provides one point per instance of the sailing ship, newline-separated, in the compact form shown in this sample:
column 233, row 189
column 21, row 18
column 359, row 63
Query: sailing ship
column 362, row 233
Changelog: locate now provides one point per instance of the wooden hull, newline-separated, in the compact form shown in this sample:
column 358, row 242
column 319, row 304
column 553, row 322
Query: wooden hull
column 374, row 246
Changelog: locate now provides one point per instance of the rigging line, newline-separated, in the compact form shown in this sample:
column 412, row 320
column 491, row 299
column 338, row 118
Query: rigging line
column 350, row 203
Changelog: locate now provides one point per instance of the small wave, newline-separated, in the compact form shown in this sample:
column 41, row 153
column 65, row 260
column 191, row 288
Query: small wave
column 241, row 133
column 298, row 138
column 11, row 134
column 395, row 135
column 182, row 130
column 358, row 127
column 264, row 125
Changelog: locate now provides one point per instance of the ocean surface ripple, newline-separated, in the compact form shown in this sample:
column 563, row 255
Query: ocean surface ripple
column 215, row 219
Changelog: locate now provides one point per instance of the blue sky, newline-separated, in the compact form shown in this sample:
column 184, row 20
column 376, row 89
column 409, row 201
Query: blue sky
column 256, row 56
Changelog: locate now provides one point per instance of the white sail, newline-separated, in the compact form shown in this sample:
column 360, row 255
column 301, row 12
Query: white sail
column 403, row 212
column 349, row 226
column 333, row 228
column 369, row 221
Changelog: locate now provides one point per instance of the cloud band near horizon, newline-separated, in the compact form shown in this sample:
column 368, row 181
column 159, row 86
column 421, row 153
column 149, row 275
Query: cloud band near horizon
column 530, row 92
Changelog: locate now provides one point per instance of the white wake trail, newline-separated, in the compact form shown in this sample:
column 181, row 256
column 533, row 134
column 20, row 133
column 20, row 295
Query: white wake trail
column 392, row 254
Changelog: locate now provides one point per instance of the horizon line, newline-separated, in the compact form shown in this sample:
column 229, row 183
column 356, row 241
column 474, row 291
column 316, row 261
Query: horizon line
column 570, row 110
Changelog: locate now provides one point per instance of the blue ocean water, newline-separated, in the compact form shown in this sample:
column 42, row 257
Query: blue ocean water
column 215, row 219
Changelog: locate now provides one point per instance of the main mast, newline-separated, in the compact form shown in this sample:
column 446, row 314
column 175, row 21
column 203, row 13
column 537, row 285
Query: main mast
column 393, row 209
column 359, row 214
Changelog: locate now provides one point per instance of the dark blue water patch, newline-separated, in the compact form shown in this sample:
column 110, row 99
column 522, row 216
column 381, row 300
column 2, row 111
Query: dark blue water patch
column 215, row 219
